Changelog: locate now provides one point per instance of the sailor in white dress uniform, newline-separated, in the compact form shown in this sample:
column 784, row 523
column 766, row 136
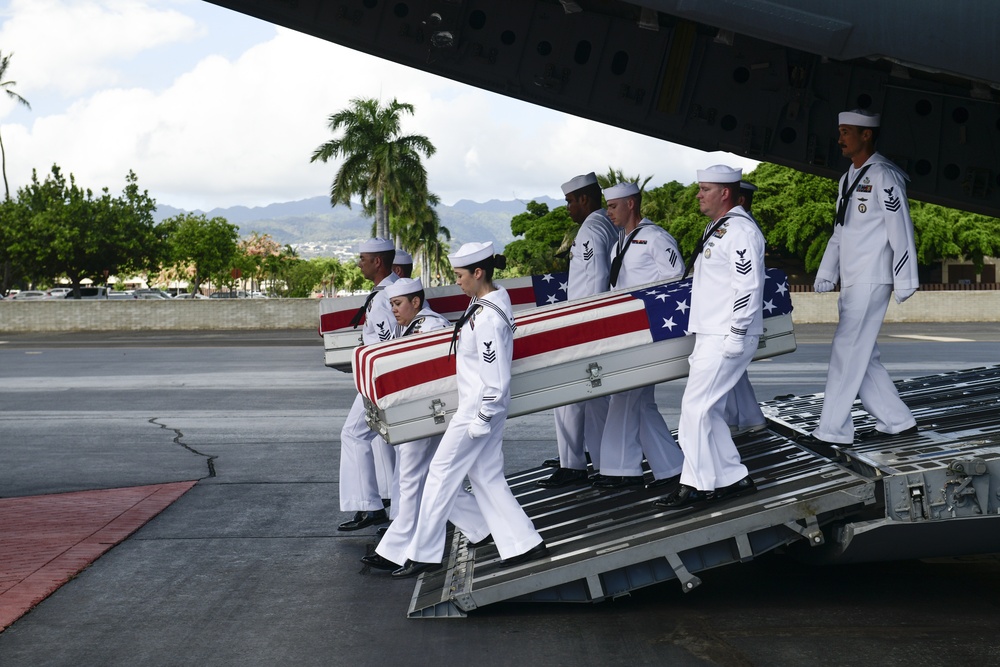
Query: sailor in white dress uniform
column 726, row 319
column 743, row 413
column 580, row 426
column 472, row 443
column 645, row 253
column 872, row 253
column 359, row 480
column 413, row 458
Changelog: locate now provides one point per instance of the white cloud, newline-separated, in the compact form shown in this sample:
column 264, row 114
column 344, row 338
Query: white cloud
column 73, row 46
column 226, row 130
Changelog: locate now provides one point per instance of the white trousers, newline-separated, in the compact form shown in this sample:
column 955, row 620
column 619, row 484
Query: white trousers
column 579, row 429
column 742, row 408
column 635, row 427
column 481, row 459
column 711, row 460
column 856, row 369
column 359, row 489
column 413, row 460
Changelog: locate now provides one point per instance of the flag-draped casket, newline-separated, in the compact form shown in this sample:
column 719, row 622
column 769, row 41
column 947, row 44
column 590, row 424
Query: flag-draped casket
column 563, row 353
column 340, row 338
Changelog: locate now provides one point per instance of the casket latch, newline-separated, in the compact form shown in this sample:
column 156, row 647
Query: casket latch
column 437, row 406
column 594, row 374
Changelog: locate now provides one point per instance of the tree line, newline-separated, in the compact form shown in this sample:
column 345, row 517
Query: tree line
column 795, row 211
column 55, row 229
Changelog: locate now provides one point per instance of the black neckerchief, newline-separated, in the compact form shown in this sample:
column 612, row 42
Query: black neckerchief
column 842, row 204
column 467, row 315
column 623, row 246
column 361, row 311
column 701, row 243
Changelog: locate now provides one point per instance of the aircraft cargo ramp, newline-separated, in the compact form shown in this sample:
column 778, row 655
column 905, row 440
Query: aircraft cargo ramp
column 915, row 496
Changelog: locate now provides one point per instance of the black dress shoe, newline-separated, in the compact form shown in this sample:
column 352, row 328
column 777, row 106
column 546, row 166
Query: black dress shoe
column 822, row 447
column 482, row 543
column 879, row 435
column 594, row 477
column 666, row 481
column 684, row 496
column 537, row 551
column 740, row 488
column 563, row 477
column 379, row 563
column 617, row 482
column 364, row 519
column 551, row 463
column 413, row 568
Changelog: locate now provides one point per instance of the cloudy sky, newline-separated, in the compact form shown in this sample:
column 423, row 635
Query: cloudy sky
column 214, row 109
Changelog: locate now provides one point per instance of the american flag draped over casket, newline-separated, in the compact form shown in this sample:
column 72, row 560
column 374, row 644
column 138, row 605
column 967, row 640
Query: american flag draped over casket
column 563, row 353
column 340, row 338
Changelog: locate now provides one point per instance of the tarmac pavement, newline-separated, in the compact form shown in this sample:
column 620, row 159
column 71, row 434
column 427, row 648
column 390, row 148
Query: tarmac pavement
column 247, row 567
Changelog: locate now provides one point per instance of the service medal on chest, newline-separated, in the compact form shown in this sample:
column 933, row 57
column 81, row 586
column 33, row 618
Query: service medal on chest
column 862, row 208
column 708, row 253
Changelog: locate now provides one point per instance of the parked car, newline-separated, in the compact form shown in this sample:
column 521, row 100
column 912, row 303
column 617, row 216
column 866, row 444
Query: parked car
column 226, row 295
column 190, row 295
column 120, row 296
column 30, row 295
column 91, row 293
column 151, row 294
column 58, row 292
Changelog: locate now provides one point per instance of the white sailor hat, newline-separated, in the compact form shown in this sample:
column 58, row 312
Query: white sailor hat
column 377, row 245
column 471, row 253
column 719, row 173
column 579, row 182
column 403, row 257
column 859, row 117
column 621, row 190
column 749, row 187
column 403, row 287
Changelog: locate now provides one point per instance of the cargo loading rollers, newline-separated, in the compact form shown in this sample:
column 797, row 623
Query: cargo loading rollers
column 928, row 494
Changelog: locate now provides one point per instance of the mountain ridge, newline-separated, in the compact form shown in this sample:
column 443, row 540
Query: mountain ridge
column 314, row 223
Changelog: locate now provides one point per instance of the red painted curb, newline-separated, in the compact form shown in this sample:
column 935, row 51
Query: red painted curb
column 47, row 540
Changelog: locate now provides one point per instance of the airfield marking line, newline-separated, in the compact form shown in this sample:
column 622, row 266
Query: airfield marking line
column 936, row 339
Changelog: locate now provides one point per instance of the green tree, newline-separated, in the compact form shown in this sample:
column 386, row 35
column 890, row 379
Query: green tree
column 63, row 230
column 9, row 227
column 795, row 211
column 207, row 245
column 947, row 233
column 380, row 164
column 8, row 89
column 418, row 229
column 543, row 231
column 616, row 176
column 675, row 208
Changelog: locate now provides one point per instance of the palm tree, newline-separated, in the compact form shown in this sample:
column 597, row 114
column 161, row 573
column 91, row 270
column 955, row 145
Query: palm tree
column 7, row 88
column 418, row 229
column 615, row 176
column 379, row 162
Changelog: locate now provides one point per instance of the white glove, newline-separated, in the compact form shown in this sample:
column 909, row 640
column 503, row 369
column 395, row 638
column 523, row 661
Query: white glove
column 823, row 285
column 732, row 346
column 478, row 429
column 904, row 294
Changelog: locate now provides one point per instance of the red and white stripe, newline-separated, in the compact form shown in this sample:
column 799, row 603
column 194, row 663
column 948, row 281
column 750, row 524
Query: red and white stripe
column 448, row 300
column 418, row 367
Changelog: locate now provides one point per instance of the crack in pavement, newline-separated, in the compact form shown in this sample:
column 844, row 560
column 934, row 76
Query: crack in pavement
column 178, row 435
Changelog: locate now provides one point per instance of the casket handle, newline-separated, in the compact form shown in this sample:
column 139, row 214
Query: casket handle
column 594, row 374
